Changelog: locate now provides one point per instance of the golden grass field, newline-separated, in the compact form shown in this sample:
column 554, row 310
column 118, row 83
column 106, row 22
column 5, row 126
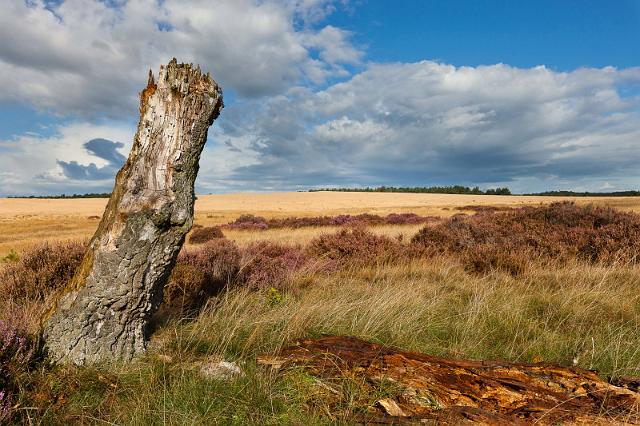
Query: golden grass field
column 25, row 222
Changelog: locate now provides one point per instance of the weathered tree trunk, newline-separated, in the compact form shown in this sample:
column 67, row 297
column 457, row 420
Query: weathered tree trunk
column 104, row 312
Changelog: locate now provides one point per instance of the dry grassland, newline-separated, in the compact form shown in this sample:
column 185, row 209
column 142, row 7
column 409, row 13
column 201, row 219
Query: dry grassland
column 562, row 289
column 26, row 222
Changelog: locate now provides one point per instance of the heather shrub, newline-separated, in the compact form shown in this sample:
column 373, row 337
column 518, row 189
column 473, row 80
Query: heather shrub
column 199, row 274
column 219, row 260
column 340, row 220
column 16, row 352
column 361, row 219
column 269, row 265
column 555, row 232
column 484, row 208
column 184, row 291
column 203, row 234
column 16, row 357
column 570, row 215
column 40, row 271
column 5, row 407
column 257, row 222
column 355, row 246
column 248, row 221
column 485, row 258
column 614, row 242
column 301, row 222
column 407, row 219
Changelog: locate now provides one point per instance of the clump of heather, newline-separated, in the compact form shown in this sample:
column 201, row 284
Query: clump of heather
column 199, row 274
column 203, row 272
column 14, row 346
column 269, row 265
column 485, row 258
column 555, row 232
column 407, row 219
column 356, row 246
column 40, row 271
column 248, row 221
column 16, row 356
column 484, row 209
column 219, row 260
column 5, row 407
column 201, row 235
column 26, row 284
column 365, row 219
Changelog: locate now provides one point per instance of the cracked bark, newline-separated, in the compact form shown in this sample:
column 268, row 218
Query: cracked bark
column 104, row 312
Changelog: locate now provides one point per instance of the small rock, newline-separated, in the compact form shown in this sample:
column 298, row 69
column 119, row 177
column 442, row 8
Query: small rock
column 222, row 370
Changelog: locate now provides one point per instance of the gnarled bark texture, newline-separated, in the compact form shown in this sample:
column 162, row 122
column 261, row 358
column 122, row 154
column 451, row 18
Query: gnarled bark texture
column 104, row 312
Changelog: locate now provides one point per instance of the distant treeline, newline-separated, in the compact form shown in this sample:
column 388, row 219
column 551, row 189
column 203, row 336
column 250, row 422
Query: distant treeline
column 90, row 195
column 588, row 194
column 454, row 189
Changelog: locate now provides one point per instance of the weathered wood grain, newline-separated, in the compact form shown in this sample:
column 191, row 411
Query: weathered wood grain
column 432, row 390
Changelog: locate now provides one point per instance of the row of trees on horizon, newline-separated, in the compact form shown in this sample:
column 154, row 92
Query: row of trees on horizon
column 452, row 189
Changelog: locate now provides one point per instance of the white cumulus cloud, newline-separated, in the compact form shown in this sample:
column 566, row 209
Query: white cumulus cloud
column 428, row 122
column 31, row 163
column 89, row 58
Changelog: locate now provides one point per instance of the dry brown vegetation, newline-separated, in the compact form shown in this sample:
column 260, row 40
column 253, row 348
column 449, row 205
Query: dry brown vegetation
column 557, row 283
column 27, row 282
column 557, row 232
column 201, row 235
column 252, row 222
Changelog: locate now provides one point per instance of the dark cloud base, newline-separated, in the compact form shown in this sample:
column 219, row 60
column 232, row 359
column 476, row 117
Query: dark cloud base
column 101, row 148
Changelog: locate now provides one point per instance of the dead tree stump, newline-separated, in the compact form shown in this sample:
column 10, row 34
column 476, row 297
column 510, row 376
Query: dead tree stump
column 104, row 312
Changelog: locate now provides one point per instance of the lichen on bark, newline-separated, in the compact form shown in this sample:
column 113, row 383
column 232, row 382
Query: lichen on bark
column 104, row 311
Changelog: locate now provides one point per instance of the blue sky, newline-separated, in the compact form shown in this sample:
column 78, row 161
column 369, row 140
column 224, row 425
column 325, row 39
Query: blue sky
column 561, row 34
column 319, row 93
